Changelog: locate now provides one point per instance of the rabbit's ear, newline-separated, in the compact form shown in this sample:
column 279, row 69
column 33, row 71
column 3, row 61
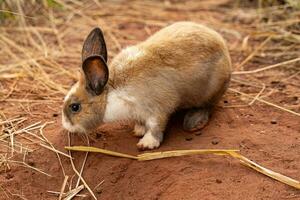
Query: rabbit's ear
column 96, row 74
column 94, row 57
column 94, row 44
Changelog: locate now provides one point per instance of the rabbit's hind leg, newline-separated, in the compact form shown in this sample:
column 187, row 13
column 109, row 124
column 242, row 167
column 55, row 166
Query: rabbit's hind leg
column 196, row 119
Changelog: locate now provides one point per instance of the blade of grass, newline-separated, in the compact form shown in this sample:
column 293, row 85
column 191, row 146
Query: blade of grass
column 167, row 154
column 97, row 150
column 63, row 187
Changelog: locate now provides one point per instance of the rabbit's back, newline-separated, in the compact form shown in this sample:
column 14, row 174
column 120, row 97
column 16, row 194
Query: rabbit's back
column 188, row 39
column 182, row 65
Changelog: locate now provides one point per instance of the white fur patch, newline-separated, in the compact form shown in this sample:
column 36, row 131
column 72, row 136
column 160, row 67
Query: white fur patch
column 71, row 91
column 151, row 123
column 117, row 106
column 133, row 52
column 148, row 141
column 72, row 128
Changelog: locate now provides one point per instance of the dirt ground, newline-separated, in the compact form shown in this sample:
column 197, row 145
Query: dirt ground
column 262, row 132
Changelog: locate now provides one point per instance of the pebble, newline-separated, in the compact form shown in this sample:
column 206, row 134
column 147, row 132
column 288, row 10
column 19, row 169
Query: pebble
column 189, row 138
column 215, row 141
column 273, row 121
column 198, row 133
column 218, row 181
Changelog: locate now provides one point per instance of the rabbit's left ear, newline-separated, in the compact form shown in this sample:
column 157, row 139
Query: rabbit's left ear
column 94, row 58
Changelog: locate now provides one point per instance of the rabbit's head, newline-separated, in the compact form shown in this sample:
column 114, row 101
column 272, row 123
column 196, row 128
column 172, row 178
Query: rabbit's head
column 84, row 105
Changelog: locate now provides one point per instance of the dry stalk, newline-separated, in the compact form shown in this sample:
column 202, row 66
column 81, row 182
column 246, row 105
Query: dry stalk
column 167, row 154
column 264, row 101
column 267, row 67
column 53, row 149
column 77, row 173
column 249, row 57
column 84, row 161
column 71, row 194
column 65, row 194
column 63, row 187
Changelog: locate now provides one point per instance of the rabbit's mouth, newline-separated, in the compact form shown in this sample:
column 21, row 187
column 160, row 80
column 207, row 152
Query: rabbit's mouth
column 71, row 127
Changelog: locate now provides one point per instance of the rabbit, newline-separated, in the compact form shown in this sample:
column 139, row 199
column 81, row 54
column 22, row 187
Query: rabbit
column 183, row 66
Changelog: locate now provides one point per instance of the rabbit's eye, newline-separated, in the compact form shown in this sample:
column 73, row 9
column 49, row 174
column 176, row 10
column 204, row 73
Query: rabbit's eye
column 75, row 107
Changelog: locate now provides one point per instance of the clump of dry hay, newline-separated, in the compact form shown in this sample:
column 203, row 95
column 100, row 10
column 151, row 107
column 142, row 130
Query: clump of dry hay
column 41, row 51
column 11, row 129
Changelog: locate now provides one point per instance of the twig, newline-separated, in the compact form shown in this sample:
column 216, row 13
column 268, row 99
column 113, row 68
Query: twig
column 63, row 187
column 64, row 194
column 84, row 161
column 254, row 52
column 260, row 92
column 99, row 184
column 26, row 165
column 56, row 151
column 77, row 173
column 266, row 102
column 268, row 67
column 73, row 192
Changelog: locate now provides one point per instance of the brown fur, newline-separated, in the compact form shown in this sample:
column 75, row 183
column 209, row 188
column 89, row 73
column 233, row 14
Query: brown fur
column 185, row 65
column 92, row 107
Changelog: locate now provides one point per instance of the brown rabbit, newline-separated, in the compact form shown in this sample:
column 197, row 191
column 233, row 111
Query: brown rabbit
column 183, row 66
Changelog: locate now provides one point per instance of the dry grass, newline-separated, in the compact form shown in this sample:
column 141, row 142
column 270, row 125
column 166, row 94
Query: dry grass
column 168, row 154
column 42, row 54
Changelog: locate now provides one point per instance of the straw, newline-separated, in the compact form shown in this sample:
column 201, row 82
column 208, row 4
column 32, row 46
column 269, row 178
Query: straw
column 63, row 187
column 78, row 173
column 168, row 154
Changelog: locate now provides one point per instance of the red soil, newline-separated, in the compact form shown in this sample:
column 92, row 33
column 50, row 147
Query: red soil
column 191, row 177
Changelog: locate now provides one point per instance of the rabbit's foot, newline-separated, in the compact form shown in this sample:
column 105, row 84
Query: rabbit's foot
column 196, row 119
column 149, row 141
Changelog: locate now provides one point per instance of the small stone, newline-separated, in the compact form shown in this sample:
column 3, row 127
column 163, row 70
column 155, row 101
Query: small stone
column 198, row 133
column 189, row 138
column 218, row 181
column 273, row 121
column 215, row 141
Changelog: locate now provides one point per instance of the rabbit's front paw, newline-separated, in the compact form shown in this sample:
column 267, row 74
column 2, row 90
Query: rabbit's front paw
column 149, row 141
